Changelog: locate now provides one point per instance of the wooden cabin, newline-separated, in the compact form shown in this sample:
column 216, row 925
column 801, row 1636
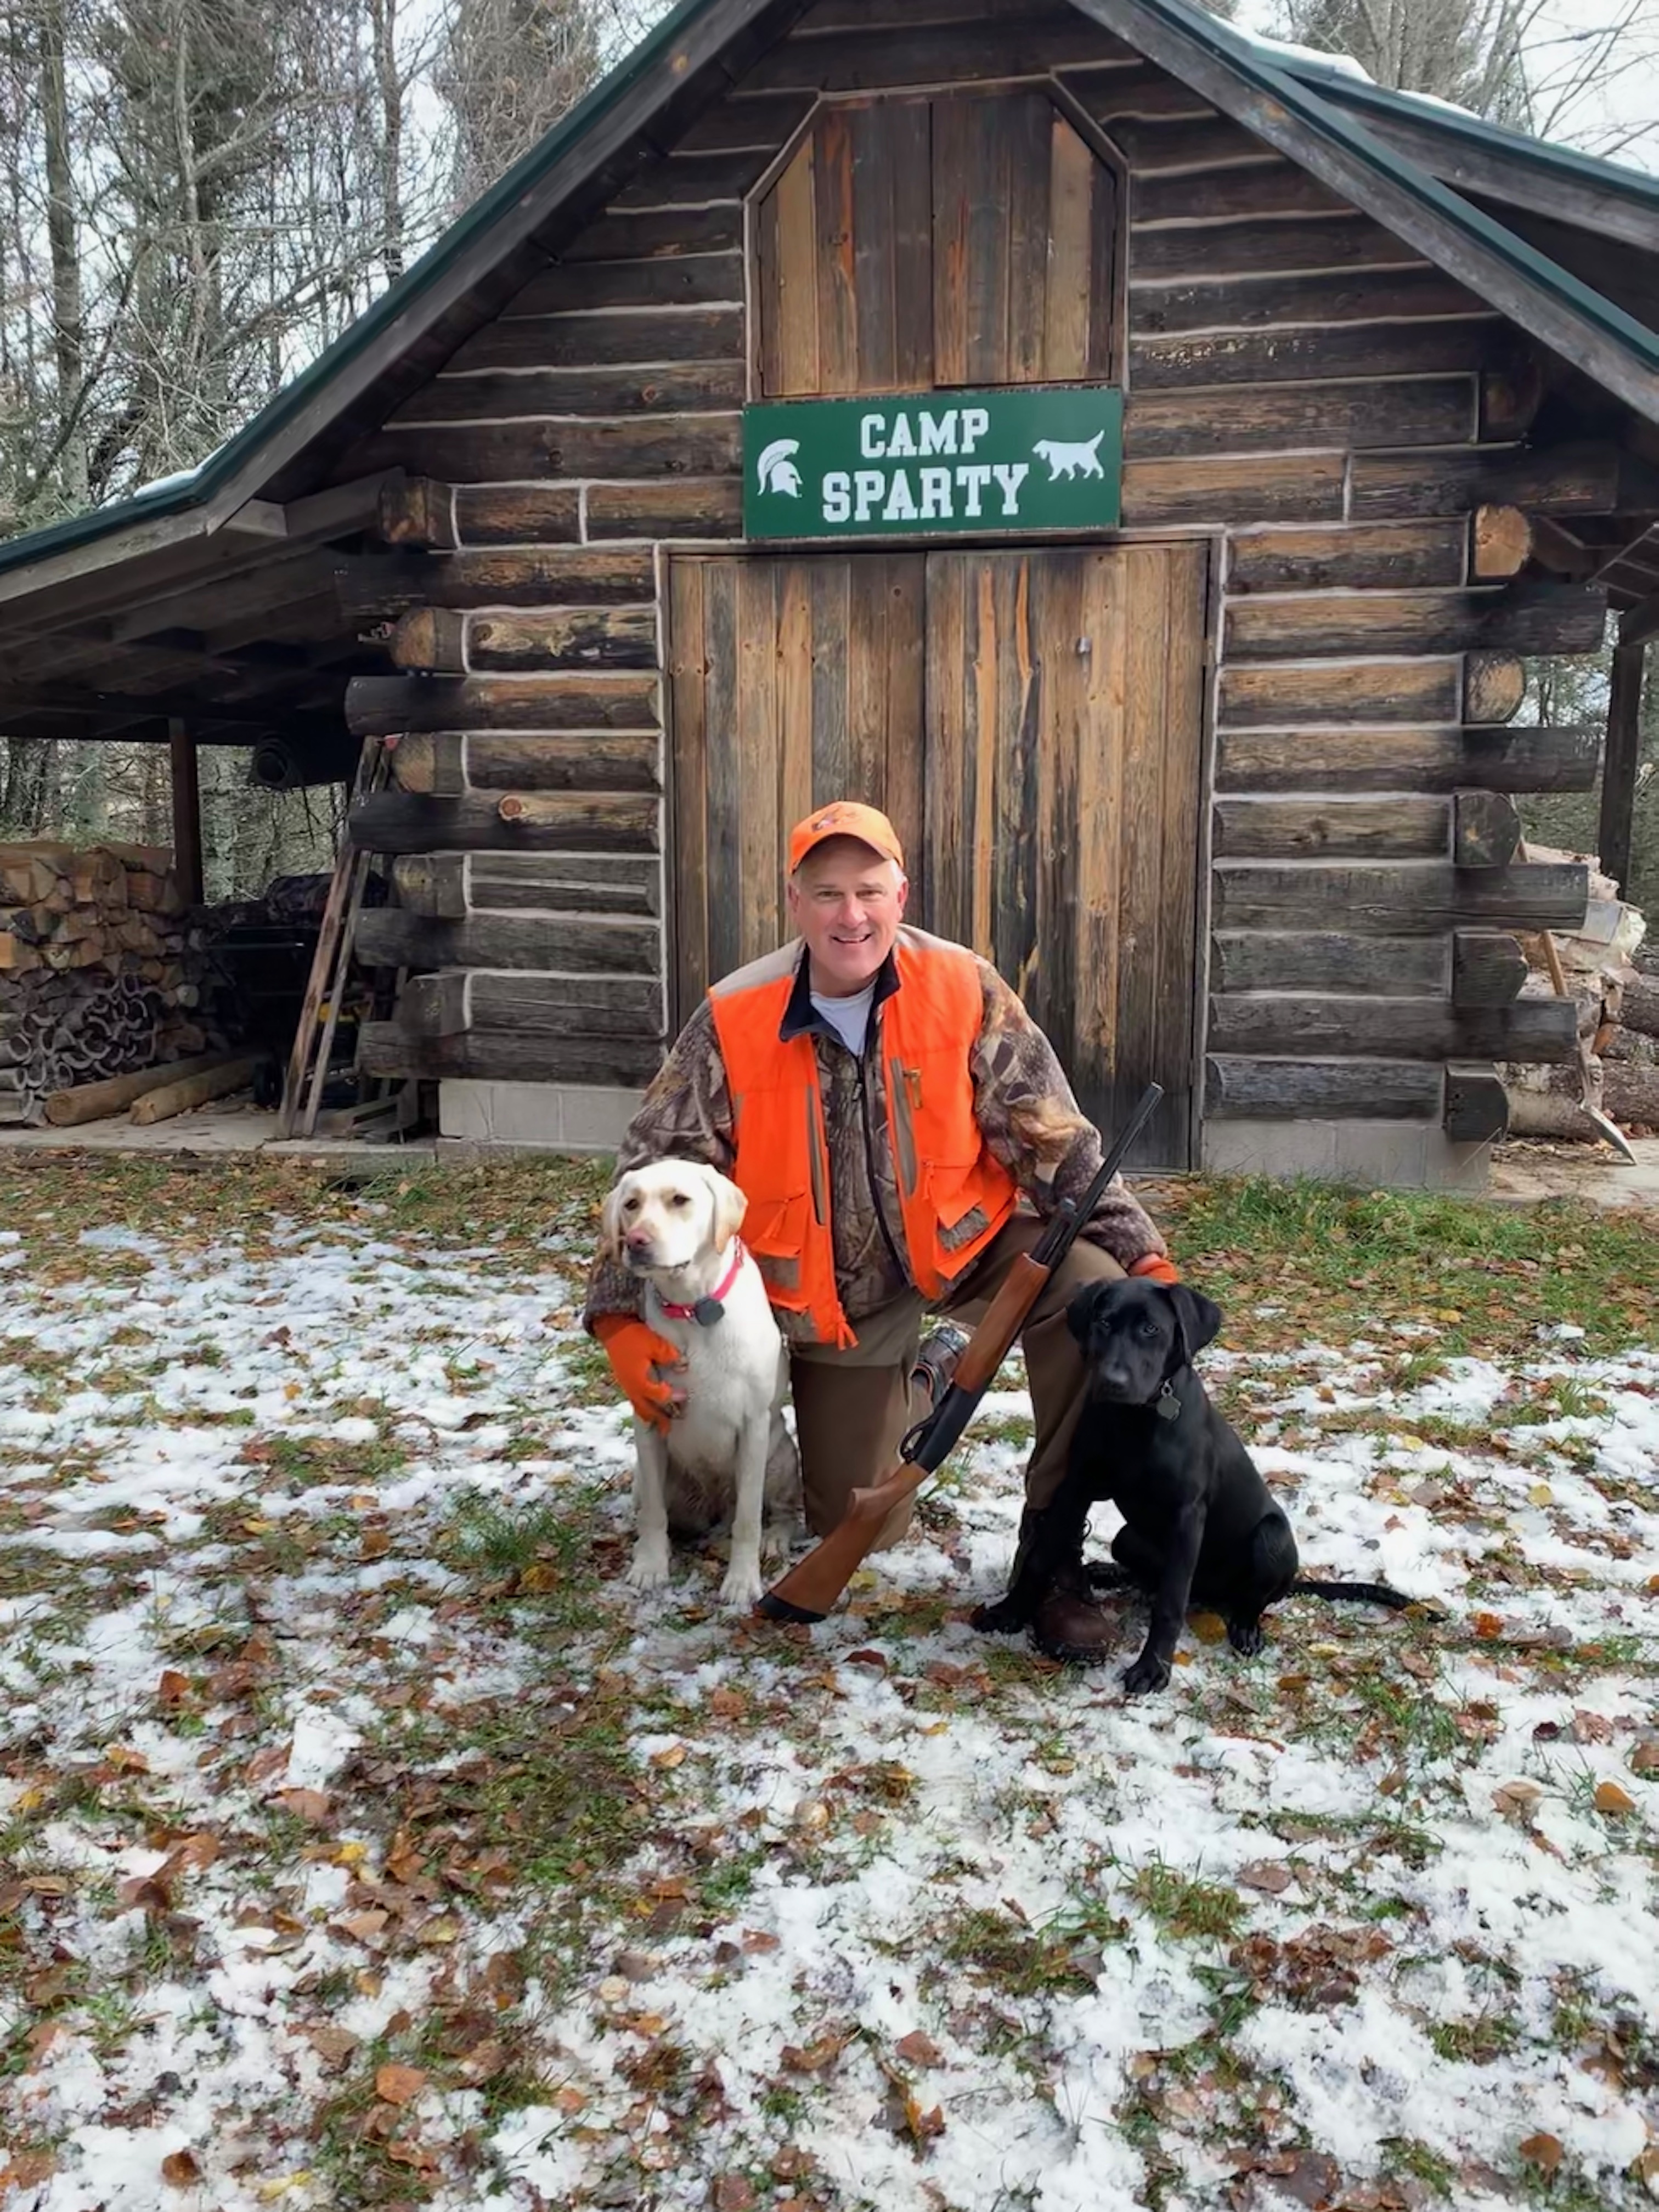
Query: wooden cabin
column 1136, row 456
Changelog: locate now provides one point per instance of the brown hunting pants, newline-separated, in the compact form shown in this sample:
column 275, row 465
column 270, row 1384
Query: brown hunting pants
column 853, row 1407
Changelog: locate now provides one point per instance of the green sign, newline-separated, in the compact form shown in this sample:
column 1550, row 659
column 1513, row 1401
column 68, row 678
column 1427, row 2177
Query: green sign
column 937, row 464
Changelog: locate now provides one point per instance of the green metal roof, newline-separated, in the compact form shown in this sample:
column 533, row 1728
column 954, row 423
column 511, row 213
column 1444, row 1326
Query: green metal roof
column 1319, row 95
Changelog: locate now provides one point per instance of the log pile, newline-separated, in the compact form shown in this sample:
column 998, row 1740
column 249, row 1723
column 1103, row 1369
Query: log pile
column 1618, row 1010
column 103, row 971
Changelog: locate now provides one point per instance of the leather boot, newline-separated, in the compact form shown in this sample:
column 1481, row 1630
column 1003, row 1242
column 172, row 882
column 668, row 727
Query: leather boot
column 1072, row 1624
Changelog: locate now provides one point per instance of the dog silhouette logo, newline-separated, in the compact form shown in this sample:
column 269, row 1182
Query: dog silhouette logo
column 1070, row 461
column 775, row 469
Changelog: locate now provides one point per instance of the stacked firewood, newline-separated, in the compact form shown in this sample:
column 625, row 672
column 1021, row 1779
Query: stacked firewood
column 1616, row 1070
column 102, row 971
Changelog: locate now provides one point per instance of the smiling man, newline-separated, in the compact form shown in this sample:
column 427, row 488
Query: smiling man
column 901, row 1128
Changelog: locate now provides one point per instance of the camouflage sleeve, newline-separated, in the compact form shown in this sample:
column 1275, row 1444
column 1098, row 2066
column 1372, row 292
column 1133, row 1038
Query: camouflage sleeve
column 1033, row 1124
column 686, row 1115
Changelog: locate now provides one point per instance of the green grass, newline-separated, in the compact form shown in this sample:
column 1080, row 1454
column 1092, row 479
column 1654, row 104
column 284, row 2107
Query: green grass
column 1187, row 1909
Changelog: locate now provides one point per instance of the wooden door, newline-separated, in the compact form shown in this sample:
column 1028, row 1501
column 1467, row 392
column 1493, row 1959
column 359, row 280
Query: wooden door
column 1032, row 722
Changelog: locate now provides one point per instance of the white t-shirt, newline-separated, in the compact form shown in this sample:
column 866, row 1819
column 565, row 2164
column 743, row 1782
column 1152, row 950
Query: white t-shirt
column 849, row 1017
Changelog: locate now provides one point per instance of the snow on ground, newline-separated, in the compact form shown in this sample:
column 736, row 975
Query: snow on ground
column 363, row 1841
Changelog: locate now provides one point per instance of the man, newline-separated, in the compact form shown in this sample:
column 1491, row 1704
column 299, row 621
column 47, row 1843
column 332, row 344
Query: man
column 883, row 1101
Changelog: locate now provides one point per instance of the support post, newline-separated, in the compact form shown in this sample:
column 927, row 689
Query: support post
column 1618, row 762
column 186, row 811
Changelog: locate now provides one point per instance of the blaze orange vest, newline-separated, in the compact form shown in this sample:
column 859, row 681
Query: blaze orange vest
column 954, row 1193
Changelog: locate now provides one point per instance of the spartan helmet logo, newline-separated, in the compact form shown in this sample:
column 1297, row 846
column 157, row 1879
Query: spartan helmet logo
column 775, row 469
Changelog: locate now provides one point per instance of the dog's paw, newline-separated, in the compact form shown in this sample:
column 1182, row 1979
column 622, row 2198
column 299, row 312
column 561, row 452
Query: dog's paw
column 1149, row 1672
column 744, row 1586
column 1000, row 1618
column 648, row 1568
column 1245, row 1637
column 777, row 1538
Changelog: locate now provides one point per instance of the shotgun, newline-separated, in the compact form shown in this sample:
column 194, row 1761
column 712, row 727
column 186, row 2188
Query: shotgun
column 808, row 1592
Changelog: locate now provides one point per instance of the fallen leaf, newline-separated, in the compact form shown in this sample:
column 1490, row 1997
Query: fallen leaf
column 179, row 2167
column 192, row 1855
column 376, row 1543
column 27, row 2168
column 570, row 2100
column 733, row 2192
column 333, row 2045
column 146, row 1893
column 443, row 1929
column 1272, row 1875
column 421, row 2156
column 40, row 2039
column 1516, row 1801
column 398, row 2084
column 1489, row 1626
column 673, row 1756
column 126, row 1761
column 727, row 1704
column 172, row 1688
column 310, row 1805
column 1610, row 1798
column 1209, row 1627
column 361, row 1926
column 1540, row 1493
column 1644, row 1759
column 919, row 2048
column 874, row 1660
column 1542, row 2151
column 813, row 2058
column 484, row 2062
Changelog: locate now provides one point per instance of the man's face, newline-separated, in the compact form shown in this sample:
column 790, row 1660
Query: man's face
column 847, row 902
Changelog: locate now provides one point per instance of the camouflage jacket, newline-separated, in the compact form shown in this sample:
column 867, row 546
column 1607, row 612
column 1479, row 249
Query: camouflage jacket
column 1022, row 1102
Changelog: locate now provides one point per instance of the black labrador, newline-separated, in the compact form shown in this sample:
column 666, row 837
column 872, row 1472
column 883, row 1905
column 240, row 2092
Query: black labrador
column 1200, row 1525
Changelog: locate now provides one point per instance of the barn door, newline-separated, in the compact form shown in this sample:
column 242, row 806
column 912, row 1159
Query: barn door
column 1031, row 721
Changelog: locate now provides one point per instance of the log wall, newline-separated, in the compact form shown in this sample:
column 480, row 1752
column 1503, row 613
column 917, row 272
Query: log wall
column 1346, row 420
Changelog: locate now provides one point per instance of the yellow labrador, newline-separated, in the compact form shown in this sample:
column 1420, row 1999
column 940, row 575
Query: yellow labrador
column 727, row 1453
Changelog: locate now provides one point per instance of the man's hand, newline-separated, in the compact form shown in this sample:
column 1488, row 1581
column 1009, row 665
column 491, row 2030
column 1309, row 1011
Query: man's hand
column 641, row 1362
column 1157, row 1266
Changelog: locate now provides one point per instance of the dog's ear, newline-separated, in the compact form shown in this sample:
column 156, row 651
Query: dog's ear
column 730, row 1207
column 1080, row 1314
column 1198, row 1318
column 610, row 1224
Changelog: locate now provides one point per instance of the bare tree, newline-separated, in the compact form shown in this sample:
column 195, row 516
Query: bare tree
column 510, row 70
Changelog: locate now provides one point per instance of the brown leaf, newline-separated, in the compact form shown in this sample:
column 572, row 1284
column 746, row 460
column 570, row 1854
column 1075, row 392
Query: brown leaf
column 760, row 1939
column 418, row 2155
column 27, row 2168
column 333, row 2045
column 264, row 1764
column 398, row 2084
column 361, row 1926
column 726, row 1705
column 813, row 2058
column 540, row 1577
column 733, row 2192
column 310, row 1805
column 923, row 2126
column 1271, row 1876
column 40, row 2039
column 919, row 2048
column 672, row 1754
column 147, row 1892
column 484, row 2062
column 180, row 2168
column 376, row 1543
column 1517, row 1799
column 1489, row 1626
column 1644, row 1759
column 874, row 1660
column 192, row 1855
column 173, row 1689
column 1542, row 2151
column 1610, row 1798
column 126, row 1761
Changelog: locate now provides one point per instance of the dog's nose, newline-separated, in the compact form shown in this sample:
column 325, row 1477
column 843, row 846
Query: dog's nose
column 638, row 1240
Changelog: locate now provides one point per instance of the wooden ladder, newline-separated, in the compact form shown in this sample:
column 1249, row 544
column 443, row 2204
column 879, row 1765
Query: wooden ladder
column 330, row 965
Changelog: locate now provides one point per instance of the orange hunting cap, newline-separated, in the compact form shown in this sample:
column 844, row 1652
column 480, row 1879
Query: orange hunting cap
column 844, row 817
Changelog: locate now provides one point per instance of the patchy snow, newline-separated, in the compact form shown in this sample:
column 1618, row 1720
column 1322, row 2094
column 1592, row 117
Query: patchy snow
column 330, row 1741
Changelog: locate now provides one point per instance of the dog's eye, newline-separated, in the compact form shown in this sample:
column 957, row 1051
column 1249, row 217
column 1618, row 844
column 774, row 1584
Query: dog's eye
column 630, row 1206
column 1149, row 1330
column 679, row 1197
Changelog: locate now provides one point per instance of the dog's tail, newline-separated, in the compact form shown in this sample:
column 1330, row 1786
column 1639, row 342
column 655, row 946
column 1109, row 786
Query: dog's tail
column 1358, row 1593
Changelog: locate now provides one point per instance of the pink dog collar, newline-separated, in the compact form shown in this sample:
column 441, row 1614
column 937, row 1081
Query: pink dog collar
column 710, row 1307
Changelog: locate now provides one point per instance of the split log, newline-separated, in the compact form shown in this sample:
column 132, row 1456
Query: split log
column 1639, row 1008
column 383, row 706
column 1581, row 479
column 1403, row 828
column 532, row 1005
column 1536, row 617
column 1494, row 757
column 657, row 233
column 1358, row 691
column 1413, row 412
column 402, row 822
column 500, row 1056
column 390, row 937
column 1500, row 541
column 528, row 575
column 194, row 1090
column 417, row 511
column 1485, row 829
column 1321, row 1089
column 1489, row 966
column 1477, row 1107
column 1330, row 960
column 450, row 643
column 447, row 764
column 96, row 1102
column 1494, row 685
column 451, row 885
column 1275, row 1024
column 1370, row 557
column 1630, row 1093
column 1236, row 488
column 1401, row 898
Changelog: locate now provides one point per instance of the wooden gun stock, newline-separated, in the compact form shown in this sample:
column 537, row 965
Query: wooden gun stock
column 809, row 1592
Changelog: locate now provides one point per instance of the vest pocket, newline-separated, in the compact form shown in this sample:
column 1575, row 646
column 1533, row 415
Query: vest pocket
column 961, row 1205
column 775, row 1231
